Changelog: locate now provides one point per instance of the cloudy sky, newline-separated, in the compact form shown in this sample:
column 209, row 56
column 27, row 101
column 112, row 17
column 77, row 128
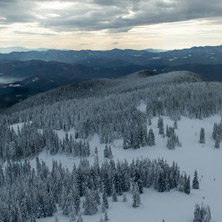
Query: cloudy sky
column 107, row 24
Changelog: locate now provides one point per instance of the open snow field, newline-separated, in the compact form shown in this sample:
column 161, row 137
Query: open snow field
column 170, row 206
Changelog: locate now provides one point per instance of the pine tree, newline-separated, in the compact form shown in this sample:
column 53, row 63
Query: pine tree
column 217, row 142
column 195, row 184
column 202, row 136
column 161, row 187
column 114, row 194
column 175, row 124
column 171, row 142
column 151, row 138
column 96, row 196
column 136, row 195
column 167, row 131
column 110, row 152
column 106, row 152
column 214, row 134
column 167, row 183
column 106, row 218
column 160, row 122
column 105, row 203
column 90, row 204
column 149, row 121
column 202, row 213
column 187, row 185
column 161, row 130
column 127, row 142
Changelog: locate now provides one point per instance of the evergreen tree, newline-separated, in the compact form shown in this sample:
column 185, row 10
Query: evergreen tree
column 167, row 131
column 161, row 130
column 96, row 196
column 160, row 122
column 114, row 194
column 217, row 142
column 195, row 184
column 136, row 195
column 202, row 213
column 171, row 142
column 105, row 203
column 106, row 152
column 161, row 186
column 151, row 138
column 175, row 124
column 187, row 185
column 110, row 152
column 214, row 134
column 202, row 136
column 106, row 218
column 149, row 121
column 126, row 142
column 90, row 204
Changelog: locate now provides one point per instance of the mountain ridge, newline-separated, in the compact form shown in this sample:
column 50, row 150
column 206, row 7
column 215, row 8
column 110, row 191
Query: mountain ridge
column 208, row 54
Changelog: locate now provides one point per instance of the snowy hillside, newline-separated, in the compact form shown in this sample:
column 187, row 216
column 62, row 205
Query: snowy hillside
column 140, row 136
column 172, row 206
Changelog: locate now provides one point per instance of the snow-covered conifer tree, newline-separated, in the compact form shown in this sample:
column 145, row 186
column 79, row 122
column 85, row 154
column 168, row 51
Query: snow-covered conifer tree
column 136, row 195
column 202, row 136
column 217, row 142
column 151, row 138
column 202, row 213
column 195, row 183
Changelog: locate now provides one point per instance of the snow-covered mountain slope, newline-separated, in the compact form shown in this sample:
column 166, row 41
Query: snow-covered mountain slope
column 170, row 206
column 67, row 124
column 101, row 87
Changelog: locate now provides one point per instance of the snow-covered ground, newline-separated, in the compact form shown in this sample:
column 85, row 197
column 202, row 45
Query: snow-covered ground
column 169, row 206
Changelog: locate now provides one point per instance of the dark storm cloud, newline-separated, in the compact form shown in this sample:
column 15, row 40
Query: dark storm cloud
column 111, row 15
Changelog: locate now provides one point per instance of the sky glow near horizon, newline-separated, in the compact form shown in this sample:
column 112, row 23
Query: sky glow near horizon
column 108, row 24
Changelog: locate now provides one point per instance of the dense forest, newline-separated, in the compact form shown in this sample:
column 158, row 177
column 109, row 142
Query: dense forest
column 109, row 108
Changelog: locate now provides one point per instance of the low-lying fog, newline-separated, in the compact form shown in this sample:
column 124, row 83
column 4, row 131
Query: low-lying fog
column 5, row 80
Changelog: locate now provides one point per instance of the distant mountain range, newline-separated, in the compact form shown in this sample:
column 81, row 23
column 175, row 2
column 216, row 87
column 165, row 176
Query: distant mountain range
column 19, row 49
column 195, row 55
column 30, row 72
column 23, row 49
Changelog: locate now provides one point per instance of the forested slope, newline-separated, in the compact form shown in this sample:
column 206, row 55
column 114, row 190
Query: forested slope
column 113, row 110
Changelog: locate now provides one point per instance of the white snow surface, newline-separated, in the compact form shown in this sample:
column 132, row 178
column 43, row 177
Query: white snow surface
column 170, row 206
column 142, row 107
column 17, row 126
